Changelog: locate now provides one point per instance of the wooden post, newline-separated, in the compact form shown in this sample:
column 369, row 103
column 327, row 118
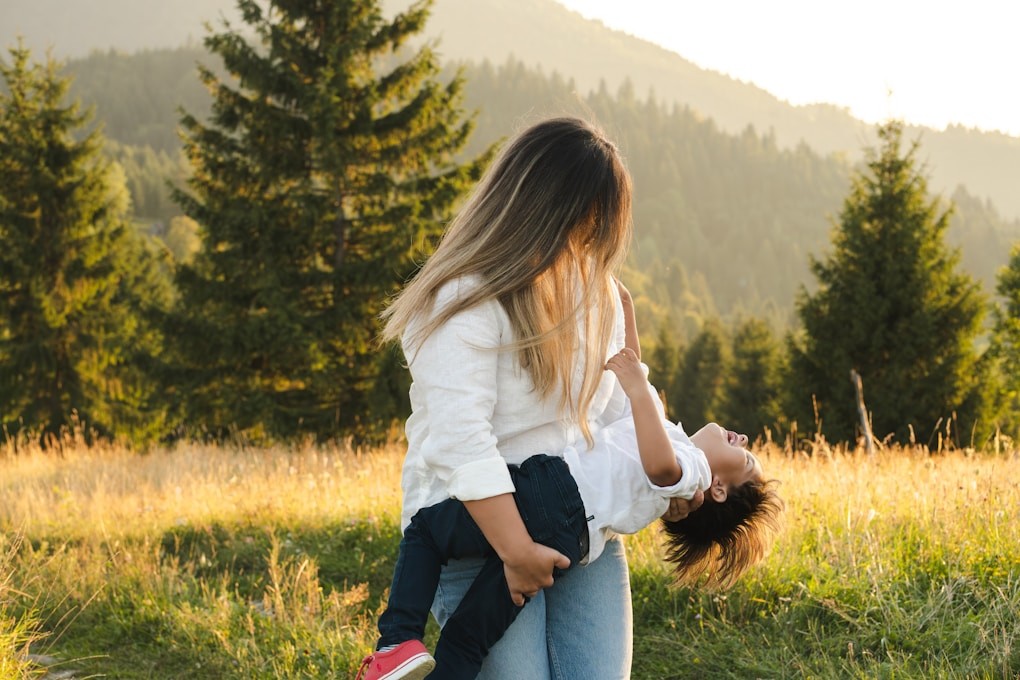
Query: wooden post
column 869, row 443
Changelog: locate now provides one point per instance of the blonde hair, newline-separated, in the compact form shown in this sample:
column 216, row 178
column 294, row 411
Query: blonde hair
column 543, row 230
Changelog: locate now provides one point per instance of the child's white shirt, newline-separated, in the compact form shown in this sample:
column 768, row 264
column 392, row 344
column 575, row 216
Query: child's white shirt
column 617, row 494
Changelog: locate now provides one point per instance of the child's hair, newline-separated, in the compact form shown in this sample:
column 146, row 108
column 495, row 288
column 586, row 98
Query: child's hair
column 723, row 540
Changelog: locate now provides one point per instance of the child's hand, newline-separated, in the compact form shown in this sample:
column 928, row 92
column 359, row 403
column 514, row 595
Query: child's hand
column 627, row 367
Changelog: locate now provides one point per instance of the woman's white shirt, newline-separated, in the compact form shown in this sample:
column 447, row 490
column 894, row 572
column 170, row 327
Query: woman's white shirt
column 474, row 409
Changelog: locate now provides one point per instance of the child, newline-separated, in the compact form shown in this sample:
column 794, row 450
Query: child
column 574, row 504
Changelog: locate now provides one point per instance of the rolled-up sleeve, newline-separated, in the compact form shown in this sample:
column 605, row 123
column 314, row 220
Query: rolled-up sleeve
column 455, row 370
column 696, row 473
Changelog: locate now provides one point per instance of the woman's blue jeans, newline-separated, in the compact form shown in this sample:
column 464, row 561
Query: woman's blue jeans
column 578, row 628
column 553, row 513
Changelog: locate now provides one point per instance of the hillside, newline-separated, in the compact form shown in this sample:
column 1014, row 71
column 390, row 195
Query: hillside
column 705, row 198
column 562, row 41
column 587, row 51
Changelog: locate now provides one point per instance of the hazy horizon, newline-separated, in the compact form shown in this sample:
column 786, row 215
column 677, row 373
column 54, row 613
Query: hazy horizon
column 929, row 64
column 921, row 83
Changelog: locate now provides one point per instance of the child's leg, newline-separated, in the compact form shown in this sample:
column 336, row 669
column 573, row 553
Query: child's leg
column 521, row 652
column 480, row 620
column 436, row 534
column 553, row 513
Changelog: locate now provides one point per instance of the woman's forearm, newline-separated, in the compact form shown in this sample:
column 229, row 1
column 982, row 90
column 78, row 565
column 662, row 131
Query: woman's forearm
column 528, row 566
column 501, row 523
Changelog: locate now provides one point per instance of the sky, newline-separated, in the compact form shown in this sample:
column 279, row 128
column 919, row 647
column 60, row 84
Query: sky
column 932, row 62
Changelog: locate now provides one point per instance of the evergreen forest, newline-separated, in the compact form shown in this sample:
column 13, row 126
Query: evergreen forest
column 739, row 244
column 704, row 198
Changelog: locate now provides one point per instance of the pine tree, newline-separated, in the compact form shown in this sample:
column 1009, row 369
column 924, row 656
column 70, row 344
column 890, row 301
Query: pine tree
column 320, row 179
column 78, row 287
column 1006, row 340
column 751, row 400
column 699, row 385
column 664, row 364
column 891, row 304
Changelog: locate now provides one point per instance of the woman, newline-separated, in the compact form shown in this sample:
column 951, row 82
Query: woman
column 507, row 329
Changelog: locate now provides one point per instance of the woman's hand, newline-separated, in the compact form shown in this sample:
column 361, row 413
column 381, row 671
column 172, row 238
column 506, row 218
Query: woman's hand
column 528, row 565
column 530, row 570
column 679, row 508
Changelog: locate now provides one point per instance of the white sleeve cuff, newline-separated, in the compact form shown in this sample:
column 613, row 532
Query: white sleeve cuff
column 480, row 479
column 696, row 475
column 682, row 489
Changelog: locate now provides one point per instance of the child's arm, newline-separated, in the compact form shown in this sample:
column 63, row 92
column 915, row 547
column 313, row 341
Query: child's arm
column 657, row 456
column 629, row 321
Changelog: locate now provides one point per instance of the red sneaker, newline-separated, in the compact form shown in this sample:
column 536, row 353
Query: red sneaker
column 408, row 660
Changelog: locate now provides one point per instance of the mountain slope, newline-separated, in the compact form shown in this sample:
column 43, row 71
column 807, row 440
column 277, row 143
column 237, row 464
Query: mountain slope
column 588, row 52
column 544, row 33
column 725, row 223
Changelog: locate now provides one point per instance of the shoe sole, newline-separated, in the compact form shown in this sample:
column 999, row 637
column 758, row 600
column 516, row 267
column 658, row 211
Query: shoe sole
column 415, row 668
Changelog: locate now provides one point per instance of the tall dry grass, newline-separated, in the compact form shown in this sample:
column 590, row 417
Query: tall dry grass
column 101, row 532
column 206, row 561
column 109, row 490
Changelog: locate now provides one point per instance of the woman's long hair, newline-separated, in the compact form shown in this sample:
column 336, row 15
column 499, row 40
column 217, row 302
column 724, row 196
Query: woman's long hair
column 544, row 230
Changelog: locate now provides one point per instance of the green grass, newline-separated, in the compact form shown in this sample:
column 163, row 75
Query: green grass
column 19, row 626
column 205, row 562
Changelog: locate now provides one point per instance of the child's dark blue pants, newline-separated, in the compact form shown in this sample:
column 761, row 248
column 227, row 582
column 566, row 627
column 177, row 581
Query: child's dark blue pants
column 553, row 513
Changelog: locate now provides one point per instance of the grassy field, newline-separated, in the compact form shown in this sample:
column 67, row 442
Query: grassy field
column 223, row 562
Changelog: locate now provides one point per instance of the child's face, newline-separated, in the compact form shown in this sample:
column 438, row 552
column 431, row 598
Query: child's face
column 731, row 463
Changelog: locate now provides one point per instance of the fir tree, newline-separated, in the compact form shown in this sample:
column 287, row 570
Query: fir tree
column 323, row 173
column 699, row 386
column 664, row 364
column 1006, row 340
column 891, row 304
column 78, row 286
column 751, row 401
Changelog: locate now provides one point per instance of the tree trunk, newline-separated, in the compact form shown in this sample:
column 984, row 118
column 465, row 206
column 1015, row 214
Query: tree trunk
column 869, row 443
